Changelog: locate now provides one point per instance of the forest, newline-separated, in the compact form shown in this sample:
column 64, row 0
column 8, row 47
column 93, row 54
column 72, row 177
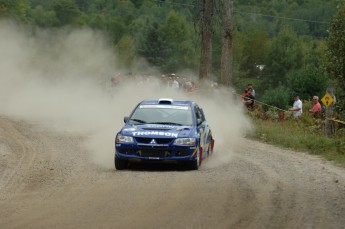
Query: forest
column 282, row 47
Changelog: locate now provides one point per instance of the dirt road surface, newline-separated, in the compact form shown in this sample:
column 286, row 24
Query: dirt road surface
column 48, row 181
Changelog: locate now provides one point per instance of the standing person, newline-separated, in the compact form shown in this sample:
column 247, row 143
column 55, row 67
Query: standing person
column 297, row 108
column 316, row 110
column 115, row 81
column 250, row 87
column 175, row 82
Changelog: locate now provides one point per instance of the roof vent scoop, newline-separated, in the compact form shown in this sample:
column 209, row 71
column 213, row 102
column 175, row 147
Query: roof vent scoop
column 165, row 101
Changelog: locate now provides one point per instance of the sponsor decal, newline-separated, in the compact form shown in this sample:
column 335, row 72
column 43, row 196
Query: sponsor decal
column 160, row 126
column 183, row 128
column 130, row 129
column 156, row 133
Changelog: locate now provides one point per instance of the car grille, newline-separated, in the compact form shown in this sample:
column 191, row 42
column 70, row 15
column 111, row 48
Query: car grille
column 154, row 153
column 149, row 146
column 158, row 140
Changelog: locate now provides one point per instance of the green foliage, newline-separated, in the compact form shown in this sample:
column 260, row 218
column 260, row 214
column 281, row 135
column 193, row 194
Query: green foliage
column 254, row 51
column 42, row 17
column 66, row 11
column 278, row 97
column 15, row 9
column 126, row 50
column 180, row 46
column 154, row 47
column 308, row 81
column 335, row 62
column 336, row 47
column 285, row 55
column 302, row 136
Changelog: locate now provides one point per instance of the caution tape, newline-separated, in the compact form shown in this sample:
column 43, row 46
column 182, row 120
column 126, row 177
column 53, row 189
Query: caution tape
column 335, row 120
column 257, row 101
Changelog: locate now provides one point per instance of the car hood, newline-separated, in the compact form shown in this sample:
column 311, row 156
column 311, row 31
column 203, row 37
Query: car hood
column 158, row 131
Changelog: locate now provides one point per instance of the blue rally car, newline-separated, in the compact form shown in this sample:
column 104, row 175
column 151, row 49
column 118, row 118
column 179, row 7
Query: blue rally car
column 164, row 130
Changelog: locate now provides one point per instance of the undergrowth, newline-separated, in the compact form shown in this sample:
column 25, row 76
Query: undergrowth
column 306, row 135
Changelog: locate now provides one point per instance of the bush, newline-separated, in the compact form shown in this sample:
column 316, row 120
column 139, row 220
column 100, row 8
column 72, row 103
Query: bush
column 308, row 81
column 278, row 97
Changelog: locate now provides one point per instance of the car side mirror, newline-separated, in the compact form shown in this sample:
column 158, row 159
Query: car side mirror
column 125, row 119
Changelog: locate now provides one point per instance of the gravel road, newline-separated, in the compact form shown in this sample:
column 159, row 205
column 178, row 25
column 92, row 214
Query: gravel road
column 47, row 180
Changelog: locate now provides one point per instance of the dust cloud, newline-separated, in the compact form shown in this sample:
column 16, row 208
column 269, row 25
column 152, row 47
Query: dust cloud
column 61, row 78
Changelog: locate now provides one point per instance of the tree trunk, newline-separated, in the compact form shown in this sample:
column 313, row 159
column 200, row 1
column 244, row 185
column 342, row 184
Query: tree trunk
column 227, row 38
column 206, row 38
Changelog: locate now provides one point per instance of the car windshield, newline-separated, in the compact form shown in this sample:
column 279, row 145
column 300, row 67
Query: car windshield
column 162, row 114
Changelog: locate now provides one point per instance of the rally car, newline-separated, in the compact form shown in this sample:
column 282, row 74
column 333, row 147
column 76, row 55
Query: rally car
column 164, row 130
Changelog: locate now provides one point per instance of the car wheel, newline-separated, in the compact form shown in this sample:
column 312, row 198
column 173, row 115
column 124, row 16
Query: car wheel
column 209, row 150
column 194, row 165
column 120, row 164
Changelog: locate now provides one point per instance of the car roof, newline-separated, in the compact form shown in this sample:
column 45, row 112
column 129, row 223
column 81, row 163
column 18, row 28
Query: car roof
column 167, row 101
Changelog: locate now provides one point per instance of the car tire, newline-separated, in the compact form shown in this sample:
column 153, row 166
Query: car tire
column 209, row 150
column 120, row 164
column 194, row 165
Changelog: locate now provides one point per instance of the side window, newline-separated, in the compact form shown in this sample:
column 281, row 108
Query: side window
column 199, row 114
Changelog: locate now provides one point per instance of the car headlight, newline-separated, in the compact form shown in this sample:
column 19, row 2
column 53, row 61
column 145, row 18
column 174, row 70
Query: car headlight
column 185, row 141
column 123, row 139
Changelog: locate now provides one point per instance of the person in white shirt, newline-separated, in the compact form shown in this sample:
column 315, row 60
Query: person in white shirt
column 297, row 108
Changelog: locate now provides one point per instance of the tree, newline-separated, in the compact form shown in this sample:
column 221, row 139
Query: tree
column 66, row 11
column 335, row 62
column 254, row 51
column 42, row 17
column 16, row 9
column 336, row 47
column 153, row 49
column 309, row 81
column 285, row 55
column 206, row 38
column 178, row 35
column 227, row 39
column 126, row 52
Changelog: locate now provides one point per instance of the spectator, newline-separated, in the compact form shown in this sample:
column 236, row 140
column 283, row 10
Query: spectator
column 250, row 86
column 249, row 100
column 297, row 108
column 175, row 82
column 115, row 81
column 214, row 86
column 170, row 81
column 316, row 110
column 244, row 94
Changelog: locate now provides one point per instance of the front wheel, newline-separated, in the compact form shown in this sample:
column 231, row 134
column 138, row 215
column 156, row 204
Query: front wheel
column 194, row 165
column 120, row 164
column 210, row 148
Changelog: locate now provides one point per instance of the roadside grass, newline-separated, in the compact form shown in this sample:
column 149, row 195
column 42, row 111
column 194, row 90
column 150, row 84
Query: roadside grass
column 306, row 135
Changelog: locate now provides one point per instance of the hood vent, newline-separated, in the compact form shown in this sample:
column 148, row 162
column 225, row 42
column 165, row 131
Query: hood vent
column 165, row 101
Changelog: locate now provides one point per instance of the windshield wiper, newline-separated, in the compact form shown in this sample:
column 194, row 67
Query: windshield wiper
column 137, row 120
column 167, row 123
